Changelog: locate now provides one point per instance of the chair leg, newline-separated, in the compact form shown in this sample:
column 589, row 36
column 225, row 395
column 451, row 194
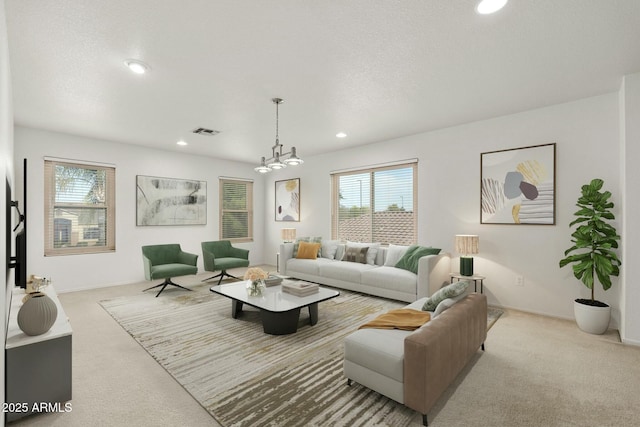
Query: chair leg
column 424, row 420
column 164, row 284
column 222, row 275
column 212, row 277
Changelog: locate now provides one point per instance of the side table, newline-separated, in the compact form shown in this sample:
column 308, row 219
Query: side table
column 476, row 278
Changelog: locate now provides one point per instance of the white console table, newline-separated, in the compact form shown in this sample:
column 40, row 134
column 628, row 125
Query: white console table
column 37, row 368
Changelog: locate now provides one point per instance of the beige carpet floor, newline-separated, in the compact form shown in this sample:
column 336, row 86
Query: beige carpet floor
column 537, row 371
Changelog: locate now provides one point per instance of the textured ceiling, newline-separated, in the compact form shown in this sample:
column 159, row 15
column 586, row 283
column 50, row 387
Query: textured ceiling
column 375, row 69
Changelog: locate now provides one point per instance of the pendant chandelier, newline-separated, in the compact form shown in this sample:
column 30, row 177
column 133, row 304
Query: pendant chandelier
column 278, row 159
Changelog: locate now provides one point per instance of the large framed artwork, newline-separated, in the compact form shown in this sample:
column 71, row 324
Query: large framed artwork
column 288, row 200
column 170, row 201
column 518, row 186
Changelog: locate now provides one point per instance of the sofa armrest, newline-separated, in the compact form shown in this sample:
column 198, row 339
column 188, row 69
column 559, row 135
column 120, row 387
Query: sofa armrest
column 436, row 354
column 286, row 253
column 433, row 273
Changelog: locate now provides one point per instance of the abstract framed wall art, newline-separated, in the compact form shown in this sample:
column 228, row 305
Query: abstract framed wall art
column 518, row 186
column 288, row 200
column 170, row 201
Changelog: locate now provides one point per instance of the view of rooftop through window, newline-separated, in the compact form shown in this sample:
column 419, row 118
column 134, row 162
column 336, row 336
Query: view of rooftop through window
column 390, row 191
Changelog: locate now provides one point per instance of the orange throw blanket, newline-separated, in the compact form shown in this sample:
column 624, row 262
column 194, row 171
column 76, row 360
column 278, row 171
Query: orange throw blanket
column 405, row 319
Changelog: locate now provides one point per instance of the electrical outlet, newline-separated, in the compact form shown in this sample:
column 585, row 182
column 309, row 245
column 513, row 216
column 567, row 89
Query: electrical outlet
column 519, row 280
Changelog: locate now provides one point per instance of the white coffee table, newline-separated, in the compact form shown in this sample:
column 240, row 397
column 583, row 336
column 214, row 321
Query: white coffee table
column 279, row 310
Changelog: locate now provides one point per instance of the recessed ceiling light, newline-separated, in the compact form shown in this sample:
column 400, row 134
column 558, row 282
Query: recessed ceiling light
column 486, row 7
column 137, row 66
column 341, row 135
column 181, row 142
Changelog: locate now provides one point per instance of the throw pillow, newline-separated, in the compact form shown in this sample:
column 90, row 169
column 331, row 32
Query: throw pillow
column 449, row 291
column 445, row 304
column 296, row 245
column 356, row 254
column 372, row 251
column 394, row 253
column 411, row 257
column 329, row 249
column 308, row 250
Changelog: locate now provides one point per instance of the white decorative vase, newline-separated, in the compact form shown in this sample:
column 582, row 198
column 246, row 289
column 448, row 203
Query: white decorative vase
column 592, row 319
column 37, row 315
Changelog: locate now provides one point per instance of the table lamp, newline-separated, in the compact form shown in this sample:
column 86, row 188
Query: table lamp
column 288, row 235
column 466, row 244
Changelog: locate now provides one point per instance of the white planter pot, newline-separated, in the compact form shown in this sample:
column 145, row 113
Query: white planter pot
column 591, row 319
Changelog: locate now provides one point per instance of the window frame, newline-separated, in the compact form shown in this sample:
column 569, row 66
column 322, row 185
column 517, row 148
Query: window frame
column 371, row 170
column 248, row 210
column 50, row 205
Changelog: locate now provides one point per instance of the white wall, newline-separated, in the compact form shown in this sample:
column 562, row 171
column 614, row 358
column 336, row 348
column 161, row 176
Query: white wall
column 587, row 137
column 6, row 170
column 630, row 125
column 125, row 265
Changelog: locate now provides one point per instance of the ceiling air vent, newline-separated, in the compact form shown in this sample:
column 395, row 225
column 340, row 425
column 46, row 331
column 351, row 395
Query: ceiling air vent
column 206, row 132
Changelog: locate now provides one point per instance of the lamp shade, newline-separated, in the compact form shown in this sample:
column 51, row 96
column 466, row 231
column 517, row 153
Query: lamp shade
column 467, row 244
column 288, row 234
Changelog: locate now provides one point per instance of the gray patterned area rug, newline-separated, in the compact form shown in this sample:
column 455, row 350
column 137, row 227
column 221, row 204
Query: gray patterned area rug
column 245, row 377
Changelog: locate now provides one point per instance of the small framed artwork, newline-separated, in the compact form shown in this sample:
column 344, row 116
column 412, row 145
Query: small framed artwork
column 169, row 201
column 288, row 200
column 518, row 186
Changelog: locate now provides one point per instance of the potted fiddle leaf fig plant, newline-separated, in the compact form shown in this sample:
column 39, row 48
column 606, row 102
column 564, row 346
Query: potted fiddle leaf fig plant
column 592, row 255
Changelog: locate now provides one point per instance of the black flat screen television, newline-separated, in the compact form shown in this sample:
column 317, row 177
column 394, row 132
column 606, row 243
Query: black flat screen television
column 19, row 261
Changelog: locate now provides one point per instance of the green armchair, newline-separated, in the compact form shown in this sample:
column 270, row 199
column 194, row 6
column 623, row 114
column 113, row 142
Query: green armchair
column 220, row 255
column 165, row 262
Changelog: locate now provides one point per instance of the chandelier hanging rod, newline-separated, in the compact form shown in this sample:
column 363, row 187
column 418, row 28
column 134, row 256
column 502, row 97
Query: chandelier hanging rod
column 278, row 159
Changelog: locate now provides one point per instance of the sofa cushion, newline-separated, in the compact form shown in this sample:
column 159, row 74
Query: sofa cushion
column 344, row 271
column 308, row 250
column 306, row 266
column 394, row 253
column 409, row 260
column 363, row 348
column 329, row 248
column 391, row 278
column 449, row 291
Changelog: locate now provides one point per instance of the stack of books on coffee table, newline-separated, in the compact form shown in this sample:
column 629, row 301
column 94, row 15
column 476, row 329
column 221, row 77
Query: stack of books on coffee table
column 300, row 289
column 272, row 280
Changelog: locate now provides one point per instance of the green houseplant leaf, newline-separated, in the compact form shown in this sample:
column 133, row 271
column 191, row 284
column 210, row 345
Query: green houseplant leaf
column 591, row 255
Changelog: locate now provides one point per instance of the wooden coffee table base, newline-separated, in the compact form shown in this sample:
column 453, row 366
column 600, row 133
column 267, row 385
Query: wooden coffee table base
column 278, row 323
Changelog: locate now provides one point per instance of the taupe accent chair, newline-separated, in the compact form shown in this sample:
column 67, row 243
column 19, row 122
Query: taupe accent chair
column 221, row 256
column 165, row 262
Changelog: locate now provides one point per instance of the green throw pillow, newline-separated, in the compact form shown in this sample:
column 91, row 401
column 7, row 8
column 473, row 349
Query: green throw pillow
column 450, row 291
column 409, row 260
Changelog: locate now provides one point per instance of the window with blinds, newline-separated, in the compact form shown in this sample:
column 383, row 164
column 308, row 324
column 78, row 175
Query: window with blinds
column 79, row 208
column 236, row 210
column 375, row 205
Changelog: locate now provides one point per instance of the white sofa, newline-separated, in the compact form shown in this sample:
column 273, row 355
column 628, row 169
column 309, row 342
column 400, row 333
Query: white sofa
column 377, row 279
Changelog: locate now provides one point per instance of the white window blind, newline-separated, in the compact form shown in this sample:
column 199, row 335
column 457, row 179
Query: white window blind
column 79, row 208
column 236, row 210
column 375, row 205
